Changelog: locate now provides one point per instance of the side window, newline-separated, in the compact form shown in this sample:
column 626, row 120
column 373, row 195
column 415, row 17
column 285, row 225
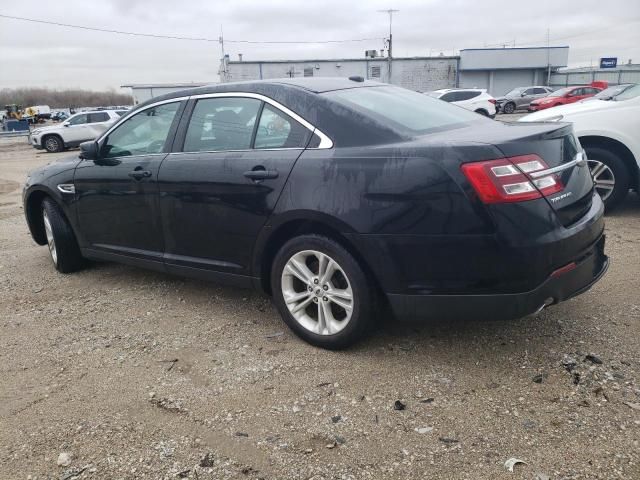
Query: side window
column 448, row 97
column 468, row 95
column 143, row 134
column 221, row 124
column 540, row 91
column 577, row 91
column 78, row 119
column 530, row 91
column 98, row 117
column 278, row 130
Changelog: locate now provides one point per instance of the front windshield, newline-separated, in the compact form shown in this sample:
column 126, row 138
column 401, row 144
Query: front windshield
column 628, row 94
column 560, row 93
column 403, row 109
column 515, row 91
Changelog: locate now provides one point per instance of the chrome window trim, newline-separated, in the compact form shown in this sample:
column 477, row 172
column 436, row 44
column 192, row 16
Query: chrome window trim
column 240, row 151
column 325, row 141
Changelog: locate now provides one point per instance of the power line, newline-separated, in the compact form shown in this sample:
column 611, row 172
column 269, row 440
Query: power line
column 177, row 37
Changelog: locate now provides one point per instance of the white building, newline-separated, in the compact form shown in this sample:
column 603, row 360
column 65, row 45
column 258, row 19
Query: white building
column 496, row 69
column 144, row 91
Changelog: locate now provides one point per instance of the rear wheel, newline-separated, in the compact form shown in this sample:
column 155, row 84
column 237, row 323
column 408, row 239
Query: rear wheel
column 610, row 176
column 53, row 144
column 61, row 240
column 509, row 107
column 321, row 292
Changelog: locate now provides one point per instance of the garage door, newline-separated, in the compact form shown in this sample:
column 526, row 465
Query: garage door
column 504, row 81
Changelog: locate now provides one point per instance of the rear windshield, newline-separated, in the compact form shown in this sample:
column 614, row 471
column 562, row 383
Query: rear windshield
column 403, row 109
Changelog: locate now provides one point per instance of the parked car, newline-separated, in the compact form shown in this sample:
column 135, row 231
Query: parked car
column 59, row 116
column 610, row 93
column 608, row 131
column 563, row 96
column 73, row 131
column 474, row 99
column 521, row 97
column 338, row 197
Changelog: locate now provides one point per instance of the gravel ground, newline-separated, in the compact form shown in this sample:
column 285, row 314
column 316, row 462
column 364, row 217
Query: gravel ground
column 116, row 372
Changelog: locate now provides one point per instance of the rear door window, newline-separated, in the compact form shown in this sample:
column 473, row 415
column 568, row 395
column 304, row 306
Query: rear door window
column 98, row 117
column 540, row 91
column 278, row 130
column 222, row 124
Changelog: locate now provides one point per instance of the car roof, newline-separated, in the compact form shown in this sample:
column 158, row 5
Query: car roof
column 313, row 85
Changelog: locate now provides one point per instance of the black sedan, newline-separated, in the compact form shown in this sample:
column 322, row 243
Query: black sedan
column 340, row 198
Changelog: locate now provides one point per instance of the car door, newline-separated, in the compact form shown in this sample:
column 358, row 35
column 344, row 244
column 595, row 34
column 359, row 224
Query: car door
column 574, row 95
column 97, row 124
column 525, row 98
column 538, row 92
column 75, row 129
column 117, row 194
column 218, row 190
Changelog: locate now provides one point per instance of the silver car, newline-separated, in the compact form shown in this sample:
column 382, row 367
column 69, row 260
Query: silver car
column 521, row 97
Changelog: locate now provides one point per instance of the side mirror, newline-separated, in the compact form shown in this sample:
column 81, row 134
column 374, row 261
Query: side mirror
column 89, row 150
column 523, row 94
column 65, row 124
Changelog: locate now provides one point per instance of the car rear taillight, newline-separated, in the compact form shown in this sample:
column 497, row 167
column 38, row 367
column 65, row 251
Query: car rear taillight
column 508, row 179
column 492, row 100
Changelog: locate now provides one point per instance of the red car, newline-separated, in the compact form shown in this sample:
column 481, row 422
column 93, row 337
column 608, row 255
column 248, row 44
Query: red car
column 563, row 96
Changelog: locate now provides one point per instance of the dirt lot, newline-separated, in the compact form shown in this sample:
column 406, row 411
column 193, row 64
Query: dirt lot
column 117, row 372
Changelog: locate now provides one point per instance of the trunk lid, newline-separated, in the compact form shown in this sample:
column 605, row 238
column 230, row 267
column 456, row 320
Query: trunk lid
column 556, row 145
column 559, row 148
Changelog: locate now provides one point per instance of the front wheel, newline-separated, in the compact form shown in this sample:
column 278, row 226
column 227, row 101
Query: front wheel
column 53, row 144
column 321, row 292
column 61, row 240
column 610, row 176
column 509, row 107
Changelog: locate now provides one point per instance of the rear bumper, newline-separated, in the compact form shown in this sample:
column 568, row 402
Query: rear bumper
column 590, row 267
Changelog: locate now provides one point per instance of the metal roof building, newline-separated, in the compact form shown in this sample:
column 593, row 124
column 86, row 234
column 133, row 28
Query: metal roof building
column 144, row 91
column 496, row 69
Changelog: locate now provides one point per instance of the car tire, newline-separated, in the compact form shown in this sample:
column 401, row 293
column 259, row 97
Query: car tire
column 52, row 143
column 332, row 312
column 608, row 170
column 509, row 107
column 61, row 241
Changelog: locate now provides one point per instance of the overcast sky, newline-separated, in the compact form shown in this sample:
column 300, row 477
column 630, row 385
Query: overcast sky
column 46, row 55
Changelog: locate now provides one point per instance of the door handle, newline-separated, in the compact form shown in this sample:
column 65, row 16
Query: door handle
column 140, row 174
column 259, row 173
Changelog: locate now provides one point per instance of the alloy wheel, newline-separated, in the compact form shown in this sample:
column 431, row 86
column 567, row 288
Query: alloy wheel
column 51, row 144
column 51, row 243
column 317, row 292
column 603, row 177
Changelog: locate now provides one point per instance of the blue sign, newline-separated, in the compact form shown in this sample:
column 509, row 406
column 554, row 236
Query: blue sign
column 609, row 62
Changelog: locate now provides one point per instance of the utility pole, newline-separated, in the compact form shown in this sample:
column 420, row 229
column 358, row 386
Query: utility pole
column 548, row 61
column 223, row 60
column 390, row 11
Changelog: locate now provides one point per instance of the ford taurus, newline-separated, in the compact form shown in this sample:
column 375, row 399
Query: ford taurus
column 340, row 198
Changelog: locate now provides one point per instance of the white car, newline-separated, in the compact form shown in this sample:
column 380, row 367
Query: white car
column 74, row 130
column 474, row 99
column 609, row 132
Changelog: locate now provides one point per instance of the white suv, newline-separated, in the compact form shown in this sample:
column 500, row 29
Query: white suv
column 474, row 99
column 73, row 131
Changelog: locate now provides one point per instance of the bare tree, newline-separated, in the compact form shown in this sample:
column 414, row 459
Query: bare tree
column 63, row 98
